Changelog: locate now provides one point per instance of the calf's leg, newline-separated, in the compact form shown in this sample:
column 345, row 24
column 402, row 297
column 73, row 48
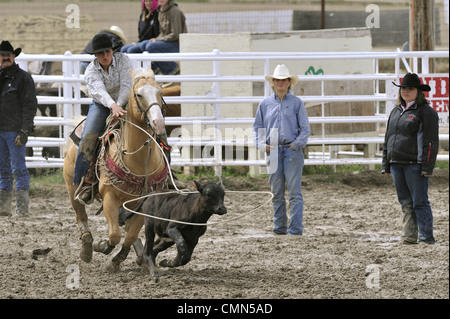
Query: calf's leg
column 148, row 254
column 161, row 244
column 182, row 249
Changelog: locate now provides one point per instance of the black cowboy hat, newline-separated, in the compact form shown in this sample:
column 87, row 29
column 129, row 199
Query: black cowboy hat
column 100, row 42
column 413, row 80
column 7, row 48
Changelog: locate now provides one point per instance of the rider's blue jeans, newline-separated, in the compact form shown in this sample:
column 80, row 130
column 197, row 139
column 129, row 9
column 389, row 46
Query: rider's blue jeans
column 12, row 163
column 286, row 172
column 93, row 127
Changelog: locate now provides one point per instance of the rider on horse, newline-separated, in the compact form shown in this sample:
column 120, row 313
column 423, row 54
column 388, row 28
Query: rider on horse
column 108, row 80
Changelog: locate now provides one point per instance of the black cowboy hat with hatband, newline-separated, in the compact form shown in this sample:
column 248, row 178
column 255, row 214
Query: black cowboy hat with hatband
column 100, row 43
column 7, row 48
column 413, row 80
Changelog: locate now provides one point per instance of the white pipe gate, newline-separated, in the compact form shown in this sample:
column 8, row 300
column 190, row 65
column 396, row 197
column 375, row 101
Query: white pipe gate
column 69, row 101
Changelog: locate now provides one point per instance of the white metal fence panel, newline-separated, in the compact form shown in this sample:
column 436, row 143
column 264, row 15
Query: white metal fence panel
column 69, row 101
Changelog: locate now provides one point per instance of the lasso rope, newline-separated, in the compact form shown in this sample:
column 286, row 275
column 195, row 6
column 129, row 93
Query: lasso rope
column 119, row 151
column 196, row 224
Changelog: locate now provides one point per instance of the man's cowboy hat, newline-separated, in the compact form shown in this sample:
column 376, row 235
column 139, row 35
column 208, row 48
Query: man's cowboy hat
column 6, row 48
column 413, row 80
column 100, row 43
column 281, row 72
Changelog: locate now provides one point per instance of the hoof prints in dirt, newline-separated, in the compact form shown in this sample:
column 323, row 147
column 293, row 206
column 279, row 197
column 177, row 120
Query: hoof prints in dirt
column 351, row 235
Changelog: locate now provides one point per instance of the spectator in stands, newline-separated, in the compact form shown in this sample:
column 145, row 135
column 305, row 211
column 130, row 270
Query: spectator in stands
column 117, row 38
column 281, row 129
column 108, row 80
column 172, row 23
column 148, row 27
column 18, row 105
column 410, row 149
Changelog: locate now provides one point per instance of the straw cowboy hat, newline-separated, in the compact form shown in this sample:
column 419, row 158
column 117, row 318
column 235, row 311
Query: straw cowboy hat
column 7, row 48
column 413, row 80
column 119, row 32
column 281, row 72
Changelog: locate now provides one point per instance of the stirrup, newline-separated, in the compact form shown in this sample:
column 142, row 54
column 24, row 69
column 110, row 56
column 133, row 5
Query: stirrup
column 84, row 194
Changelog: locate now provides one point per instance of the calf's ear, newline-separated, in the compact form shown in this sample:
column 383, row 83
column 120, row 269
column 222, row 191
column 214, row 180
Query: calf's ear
column 198, row 186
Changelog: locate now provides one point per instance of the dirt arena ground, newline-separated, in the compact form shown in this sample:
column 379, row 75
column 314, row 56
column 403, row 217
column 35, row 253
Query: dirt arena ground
column 350, row 249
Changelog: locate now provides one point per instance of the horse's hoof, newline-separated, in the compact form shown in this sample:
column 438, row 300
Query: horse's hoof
column 86, row 248
column 113, row 267
column 103, row 247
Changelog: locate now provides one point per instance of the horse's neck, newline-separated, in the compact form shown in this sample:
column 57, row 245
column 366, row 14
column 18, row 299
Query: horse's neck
column 137, row 154
column 133, row 135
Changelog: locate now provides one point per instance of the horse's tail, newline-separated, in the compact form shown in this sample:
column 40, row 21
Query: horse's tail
column 78, row 123
column 67, row 146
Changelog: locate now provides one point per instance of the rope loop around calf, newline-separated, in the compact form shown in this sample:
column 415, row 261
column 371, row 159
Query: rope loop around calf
column 183, row 192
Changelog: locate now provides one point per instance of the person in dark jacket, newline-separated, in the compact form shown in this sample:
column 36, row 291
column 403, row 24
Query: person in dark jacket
column 409, row 153
column 18, row 105
column 148, row 27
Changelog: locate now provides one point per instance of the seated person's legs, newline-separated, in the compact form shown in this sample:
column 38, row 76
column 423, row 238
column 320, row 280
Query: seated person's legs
column 163, row 47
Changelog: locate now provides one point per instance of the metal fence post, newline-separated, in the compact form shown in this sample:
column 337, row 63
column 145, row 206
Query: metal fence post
column 217, row 132
column 68, row 111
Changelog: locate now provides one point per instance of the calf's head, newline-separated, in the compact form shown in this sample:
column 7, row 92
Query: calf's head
column 212, row 198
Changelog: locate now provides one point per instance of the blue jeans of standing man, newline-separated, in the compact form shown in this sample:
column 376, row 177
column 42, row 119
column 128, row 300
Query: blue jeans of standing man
column 412, row 193
column 287, row 172
column 12, row 163
column 163, row 47
column 93, row 127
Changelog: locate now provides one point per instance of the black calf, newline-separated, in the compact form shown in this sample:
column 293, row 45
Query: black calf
column 192, row 208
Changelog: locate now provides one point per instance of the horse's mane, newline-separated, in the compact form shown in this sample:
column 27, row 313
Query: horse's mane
column 143, row 73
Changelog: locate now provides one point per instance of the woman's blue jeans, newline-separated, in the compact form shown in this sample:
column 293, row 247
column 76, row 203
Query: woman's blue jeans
column 139, row 47
column 412, row 193
column 93, row 127
column 287, row 172
column 163, row 47
column 12, row 163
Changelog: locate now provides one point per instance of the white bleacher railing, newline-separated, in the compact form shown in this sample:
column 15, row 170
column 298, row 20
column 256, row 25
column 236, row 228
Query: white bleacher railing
column 69, row 101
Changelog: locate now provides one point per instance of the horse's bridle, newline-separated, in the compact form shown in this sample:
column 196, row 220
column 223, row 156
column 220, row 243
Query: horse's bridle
column 147, row 121
column 141, row 109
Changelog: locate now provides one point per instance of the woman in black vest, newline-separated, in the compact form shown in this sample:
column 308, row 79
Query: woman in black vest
column 148, row 27
column 409, row 154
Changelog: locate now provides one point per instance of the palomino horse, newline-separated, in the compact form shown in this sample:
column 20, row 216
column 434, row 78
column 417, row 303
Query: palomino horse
column 131, row 165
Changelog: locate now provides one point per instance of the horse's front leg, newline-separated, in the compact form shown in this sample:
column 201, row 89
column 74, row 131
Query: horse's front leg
column 81, row 218
column 111, row 210
column 133, row 227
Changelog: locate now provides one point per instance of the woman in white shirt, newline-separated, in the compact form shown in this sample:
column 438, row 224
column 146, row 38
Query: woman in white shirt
column 108, row 80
